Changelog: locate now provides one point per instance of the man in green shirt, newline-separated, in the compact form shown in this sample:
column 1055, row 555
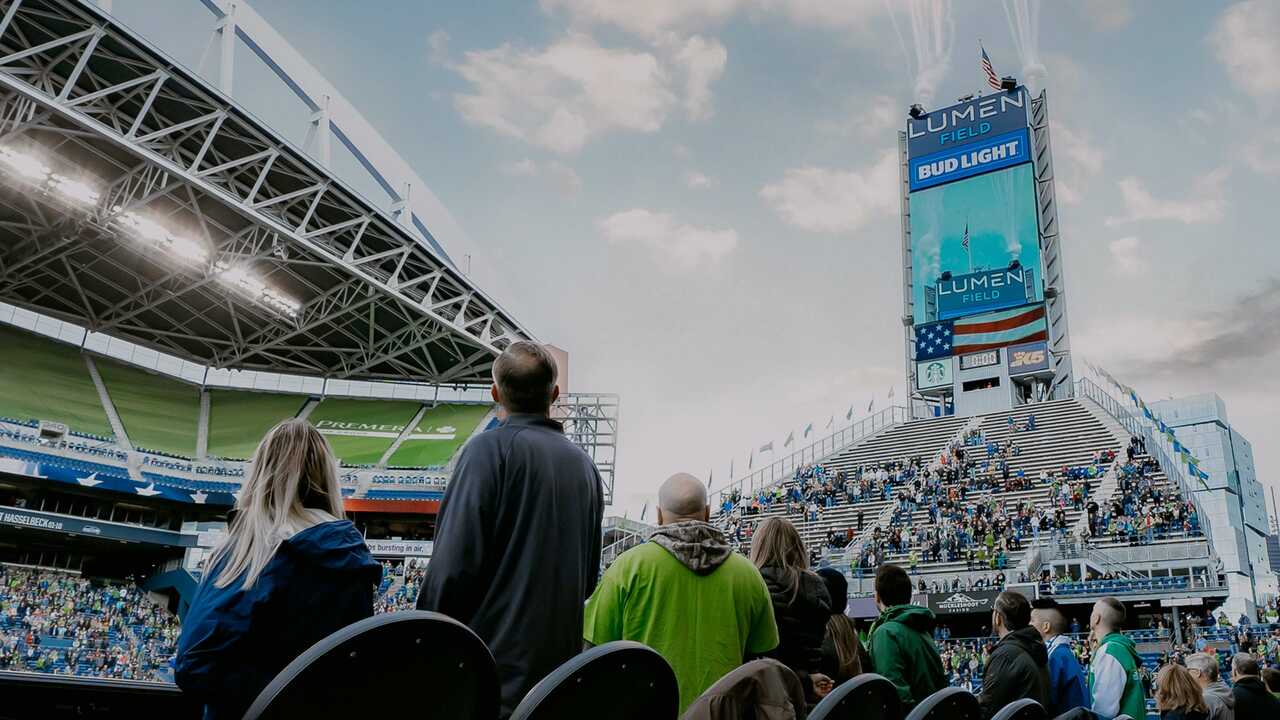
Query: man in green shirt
column 902, row 648
column 686, row 594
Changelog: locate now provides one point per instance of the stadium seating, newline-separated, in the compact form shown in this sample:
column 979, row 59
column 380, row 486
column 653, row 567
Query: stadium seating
column 42, row 379
column 56, row 697
column 866, row 697
column 239, row 419
column 1024, row 709
column 363, row 669
column 947, row 704
column 373, row 425
column 446, row 428
column 159, row 413
column 623, row 680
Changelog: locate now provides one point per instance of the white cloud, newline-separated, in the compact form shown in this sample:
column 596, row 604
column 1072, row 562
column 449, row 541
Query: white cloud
column 1128, row 255
column 520, row 168
column 564, row 178
column 438, row 47
column 696, row 180
column 677, row 246
column 560, row 96
column 830, row 200
column 1077, row 161
column 838, row 14
column 646, row 17
column 1205, row 203
column 1246, row 40
column 1108, row 14
column 703, row 62
column 868, row 118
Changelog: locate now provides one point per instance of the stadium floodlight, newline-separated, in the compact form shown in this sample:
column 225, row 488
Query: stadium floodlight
column 25, row 165
column 917, row 111
column 32, row 169
column 74, row 190
column 245, row 280
column 153, row 233
column 1009, row 83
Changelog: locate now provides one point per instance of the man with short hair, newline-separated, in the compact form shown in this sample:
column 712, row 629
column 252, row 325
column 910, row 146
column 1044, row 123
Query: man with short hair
column 1217, row 696
column 1067, row 690
column 1113, row 674
column 517, row 545
column 686, row 594
column 1252, row 698
column 902, row 648
column 1019, row 665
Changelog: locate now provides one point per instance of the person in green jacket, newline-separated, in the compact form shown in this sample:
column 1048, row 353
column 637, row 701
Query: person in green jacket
column 1114, row 682
column 902, row 648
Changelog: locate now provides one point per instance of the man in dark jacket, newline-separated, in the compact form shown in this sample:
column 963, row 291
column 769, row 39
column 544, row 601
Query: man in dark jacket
column 1252, row 698
column 517, row 546
column 902, row 648
column 1019, row 665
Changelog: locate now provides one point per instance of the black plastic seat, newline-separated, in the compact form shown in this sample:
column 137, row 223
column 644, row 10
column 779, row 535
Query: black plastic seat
column 947, row 704
column 620, row 680
column 866, row 697
column 403, row 664
column 1024, row 709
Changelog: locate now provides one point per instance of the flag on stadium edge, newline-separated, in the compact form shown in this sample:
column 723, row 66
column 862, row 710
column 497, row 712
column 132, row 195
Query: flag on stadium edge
column 808, row 429
column 791, row 437
column 891, row 393
column 751, row 459
column 871, row 404
column 990, row 72
column 643, row 511
column 768, row 447
column 710, row 474
column 849, row 415
column 831, row 422
column 730, row 469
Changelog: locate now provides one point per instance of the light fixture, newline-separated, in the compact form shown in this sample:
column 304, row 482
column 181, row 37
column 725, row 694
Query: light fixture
column 1009, row 83
column 917, row 111
column 248, row 282
column 33, row 170
column 151, row 232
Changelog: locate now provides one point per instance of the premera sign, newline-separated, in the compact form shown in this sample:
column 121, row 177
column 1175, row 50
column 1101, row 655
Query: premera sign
column 967, row 122
column 975, row 229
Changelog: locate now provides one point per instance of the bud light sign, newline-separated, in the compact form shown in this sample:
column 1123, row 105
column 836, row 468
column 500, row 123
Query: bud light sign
column 994, row 153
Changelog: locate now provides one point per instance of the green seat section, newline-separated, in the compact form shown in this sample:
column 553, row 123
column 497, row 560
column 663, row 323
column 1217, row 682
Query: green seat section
column 360, row 431
column 158, row 412
column 44, row 379
column 442, row 430
column 238, row 419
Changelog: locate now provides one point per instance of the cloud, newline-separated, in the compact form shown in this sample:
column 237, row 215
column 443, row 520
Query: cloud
column 830, row 200
column 867, row 118
column 560, row 96
column 1107, row 14
column 696, row 180
column 677, row 246
column 520, row 168
column 1078, row 161
column 702, row 62
column 1205, row 203
column 649, row 18
column 438, row 47
column 1246, row 40
column 841, row 15
column 565, row 179
column 1127, row 255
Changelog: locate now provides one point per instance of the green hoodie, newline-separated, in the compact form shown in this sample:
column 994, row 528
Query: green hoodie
column 902, row 650
column 1114, row 681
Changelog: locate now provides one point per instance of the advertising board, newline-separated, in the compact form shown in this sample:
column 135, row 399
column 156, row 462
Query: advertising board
column 985, row 358
column 53, row 522
column 977, row 225
column 966, row 122
column 933, row 373
column 400, row 548
column 996, row 152
column 1028, row 358
column 973, row 293
column 962, row 601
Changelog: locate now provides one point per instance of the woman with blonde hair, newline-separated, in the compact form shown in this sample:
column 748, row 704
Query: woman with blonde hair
column 801, row 604
column 1178, row 695
column 289, row 572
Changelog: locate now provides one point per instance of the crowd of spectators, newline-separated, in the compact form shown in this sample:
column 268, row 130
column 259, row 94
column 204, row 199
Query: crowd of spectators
column 1142, row 512
column 400, row 583
column 59, row 622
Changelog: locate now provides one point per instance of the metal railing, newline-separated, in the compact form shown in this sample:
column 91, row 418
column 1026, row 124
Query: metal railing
column 785, row 467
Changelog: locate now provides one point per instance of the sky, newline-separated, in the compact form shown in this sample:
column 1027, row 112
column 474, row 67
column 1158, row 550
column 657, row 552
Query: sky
column 697, row 198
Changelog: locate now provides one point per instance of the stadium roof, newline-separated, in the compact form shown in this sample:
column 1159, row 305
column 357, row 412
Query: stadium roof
column 136, row 200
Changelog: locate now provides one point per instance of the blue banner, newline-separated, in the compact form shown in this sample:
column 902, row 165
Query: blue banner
column 966, row 122
column 53, row 522
column 994, row 153
column 978, row 292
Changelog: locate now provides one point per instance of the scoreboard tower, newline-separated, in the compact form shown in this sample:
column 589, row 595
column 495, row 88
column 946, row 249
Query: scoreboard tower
column 984, row 298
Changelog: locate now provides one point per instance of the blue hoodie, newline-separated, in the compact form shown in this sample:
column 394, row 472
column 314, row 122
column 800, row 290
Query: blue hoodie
column 235, row 641
column 1067, row 689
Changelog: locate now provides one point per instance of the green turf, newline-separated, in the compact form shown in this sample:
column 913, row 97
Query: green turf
column 43, row 379
column 425, row 453
column 158, row 412
column 384, row 416
column 238, row 419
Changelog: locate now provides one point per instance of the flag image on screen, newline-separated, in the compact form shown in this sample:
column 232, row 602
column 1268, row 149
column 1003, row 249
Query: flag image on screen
column 934, row 340
column 999, row 329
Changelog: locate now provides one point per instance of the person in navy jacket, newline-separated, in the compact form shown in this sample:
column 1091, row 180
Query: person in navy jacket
column 290, row 572
column 1067, row 689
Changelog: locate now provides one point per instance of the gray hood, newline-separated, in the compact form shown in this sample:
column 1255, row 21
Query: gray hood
column 699, row 545
column 1222, row 693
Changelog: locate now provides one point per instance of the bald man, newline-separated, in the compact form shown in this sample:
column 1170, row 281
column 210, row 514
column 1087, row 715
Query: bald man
column 686, row 594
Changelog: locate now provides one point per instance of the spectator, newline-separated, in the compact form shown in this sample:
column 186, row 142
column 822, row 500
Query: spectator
column 800, row 602
column 686, row 572
column 1113, row 675
column 1018, row 666
column 843, row 656
column 1067, row 690
column 902, row 649
column 1252, row 698
column 1178, row 697
column 1218, row 699
column 520, row 494
column 1271, row 678
column 289, row 572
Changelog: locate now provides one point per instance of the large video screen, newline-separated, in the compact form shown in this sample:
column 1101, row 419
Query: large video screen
column 975, row 246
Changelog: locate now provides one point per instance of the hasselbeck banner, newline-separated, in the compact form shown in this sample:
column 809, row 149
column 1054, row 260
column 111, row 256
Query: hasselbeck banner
column 994, row 153
column 970, row 121
column 52, row 522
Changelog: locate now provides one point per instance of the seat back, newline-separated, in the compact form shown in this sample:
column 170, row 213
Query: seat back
column 620, row 680
column 363, row 670
column 947, row 704
column 866, row 697
column 1024, row 709
column 58, row 697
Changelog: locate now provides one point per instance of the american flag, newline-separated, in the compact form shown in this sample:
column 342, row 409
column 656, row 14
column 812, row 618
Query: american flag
column 964, row 243
column 934, row 340
column 998, row 329
column 992, row 80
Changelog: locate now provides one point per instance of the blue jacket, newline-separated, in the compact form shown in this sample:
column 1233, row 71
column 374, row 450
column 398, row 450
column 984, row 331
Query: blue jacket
column 1066, row 678
column 235, row 641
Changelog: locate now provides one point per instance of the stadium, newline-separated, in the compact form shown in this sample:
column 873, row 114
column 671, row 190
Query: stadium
column 177, row 278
